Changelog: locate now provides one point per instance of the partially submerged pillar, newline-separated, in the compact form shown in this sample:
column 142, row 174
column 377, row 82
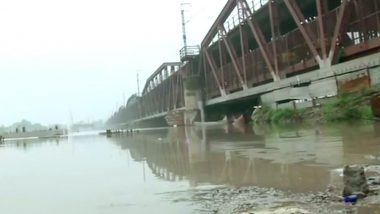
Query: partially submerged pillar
column 193, row 100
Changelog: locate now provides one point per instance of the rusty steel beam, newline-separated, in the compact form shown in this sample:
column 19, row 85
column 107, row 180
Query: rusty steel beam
column 371, row 44
column 259, row 37
column 243, row 48
column 205, row 74
column 154, row 75
column 228, row 8
column 299, row 19
column 321, row 9
column 340, row 26
column 275, row 30
column 211, row 62
column 221, row 62
column 359, row 11
column 232, row 52
column 244, row 64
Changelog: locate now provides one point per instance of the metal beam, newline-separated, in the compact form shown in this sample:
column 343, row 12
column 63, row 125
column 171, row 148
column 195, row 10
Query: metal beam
column 228, row 8
column 359, row 12
column 259, row 37
column 213, row 70
column 341, row 24
column 275, row 30
column 321, row 9
column 299, row 19
column 232, row 52
column 243, row 48
column 205, row 75
column 221, row 56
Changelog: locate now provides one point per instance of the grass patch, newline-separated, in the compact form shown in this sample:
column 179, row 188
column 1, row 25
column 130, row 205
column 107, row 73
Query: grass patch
column 269, row 115
column 348, row 107
column 285, row 115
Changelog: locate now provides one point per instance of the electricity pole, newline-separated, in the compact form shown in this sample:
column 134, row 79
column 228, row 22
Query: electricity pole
column 184, row 25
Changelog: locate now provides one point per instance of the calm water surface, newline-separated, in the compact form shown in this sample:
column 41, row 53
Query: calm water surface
column 155, row 170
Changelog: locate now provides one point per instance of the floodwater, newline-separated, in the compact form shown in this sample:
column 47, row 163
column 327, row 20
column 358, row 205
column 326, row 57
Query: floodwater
column 163, row 170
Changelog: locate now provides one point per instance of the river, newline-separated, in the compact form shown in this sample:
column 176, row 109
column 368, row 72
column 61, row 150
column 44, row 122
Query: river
column 177, row 170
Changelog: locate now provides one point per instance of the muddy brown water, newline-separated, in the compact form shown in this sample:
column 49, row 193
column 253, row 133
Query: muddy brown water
column 160, row 170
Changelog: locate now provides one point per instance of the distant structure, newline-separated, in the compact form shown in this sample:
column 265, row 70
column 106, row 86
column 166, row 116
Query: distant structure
column 279, row 53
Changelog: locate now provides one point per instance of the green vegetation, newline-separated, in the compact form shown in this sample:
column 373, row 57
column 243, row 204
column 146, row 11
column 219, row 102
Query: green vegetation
column 285, row 115
column 346, row 107
column 351, row 106
column 269, row 115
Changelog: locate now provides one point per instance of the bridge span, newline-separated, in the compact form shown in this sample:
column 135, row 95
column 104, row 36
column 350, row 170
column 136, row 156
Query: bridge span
column 265, row 52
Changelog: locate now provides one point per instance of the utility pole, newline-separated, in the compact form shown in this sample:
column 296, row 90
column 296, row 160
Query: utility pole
column 184, row 25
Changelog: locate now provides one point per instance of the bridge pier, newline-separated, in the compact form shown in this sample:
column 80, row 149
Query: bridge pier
column 194, row 106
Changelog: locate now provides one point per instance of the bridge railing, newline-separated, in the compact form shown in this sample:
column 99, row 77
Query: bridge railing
column 189, row 52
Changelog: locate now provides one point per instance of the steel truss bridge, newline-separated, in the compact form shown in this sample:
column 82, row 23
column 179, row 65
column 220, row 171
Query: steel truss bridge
column 255, row 43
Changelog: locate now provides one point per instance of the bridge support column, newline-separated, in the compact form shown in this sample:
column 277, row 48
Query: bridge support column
column 193, row 100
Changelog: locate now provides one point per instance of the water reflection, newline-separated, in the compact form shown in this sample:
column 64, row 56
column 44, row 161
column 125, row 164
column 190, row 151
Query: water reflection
column 26, row 144
column 89, row 173
column 290, row 158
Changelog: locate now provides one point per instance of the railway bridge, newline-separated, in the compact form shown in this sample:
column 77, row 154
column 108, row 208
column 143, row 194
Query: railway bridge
column 267, row 52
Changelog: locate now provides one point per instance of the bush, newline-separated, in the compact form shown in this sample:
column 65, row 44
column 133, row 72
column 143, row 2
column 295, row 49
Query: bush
column 366, row 113
column 263, row 115
column 284, row 115
column 347, row 107
column 266, row 114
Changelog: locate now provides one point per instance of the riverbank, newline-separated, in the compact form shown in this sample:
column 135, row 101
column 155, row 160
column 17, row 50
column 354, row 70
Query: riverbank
column 347, row 106
column 256, row 200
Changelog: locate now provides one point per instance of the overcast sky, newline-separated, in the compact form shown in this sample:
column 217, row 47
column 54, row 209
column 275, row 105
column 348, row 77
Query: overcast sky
column 81, row 56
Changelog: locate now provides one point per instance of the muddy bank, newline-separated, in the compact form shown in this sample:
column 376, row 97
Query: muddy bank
column 228, row 200
column 257, row 200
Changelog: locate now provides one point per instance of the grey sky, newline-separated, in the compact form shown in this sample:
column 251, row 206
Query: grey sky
column 82, row 55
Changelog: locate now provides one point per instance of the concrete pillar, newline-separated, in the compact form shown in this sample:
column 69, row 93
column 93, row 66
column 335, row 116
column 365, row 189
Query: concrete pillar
column 193, row 100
